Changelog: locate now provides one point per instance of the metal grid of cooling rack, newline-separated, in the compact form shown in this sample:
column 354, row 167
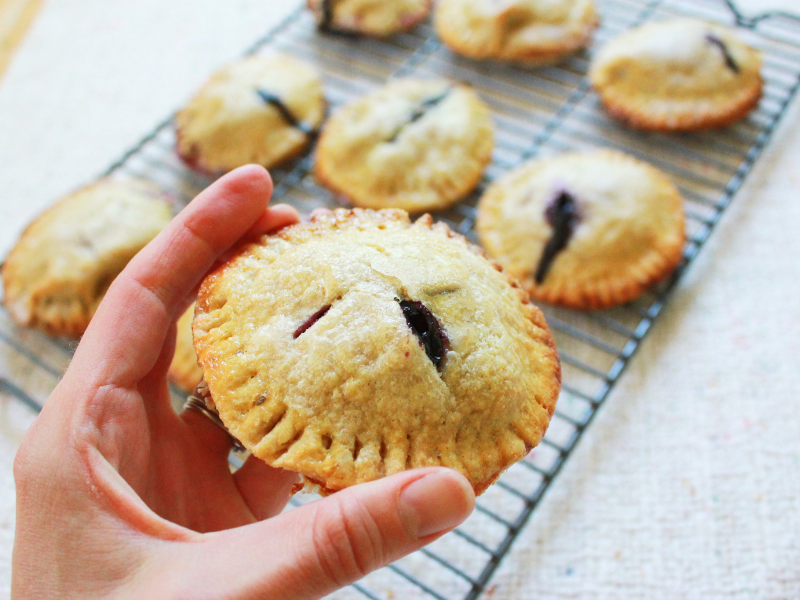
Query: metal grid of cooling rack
column 537, row 113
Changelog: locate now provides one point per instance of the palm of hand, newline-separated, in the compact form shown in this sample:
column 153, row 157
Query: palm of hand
column 185, row 458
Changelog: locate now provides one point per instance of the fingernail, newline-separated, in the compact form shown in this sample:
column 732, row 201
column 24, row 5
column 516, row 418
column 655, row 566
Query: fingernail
column 436, row 502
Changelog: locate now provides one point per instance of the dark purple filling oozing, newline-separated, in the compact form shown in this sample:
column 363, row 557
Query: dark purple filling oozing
column 287, row 115
column 327, row 14
column 310, row 321
column 729, row 62
column 426, row 327
column 563, row 216
column 419, row 112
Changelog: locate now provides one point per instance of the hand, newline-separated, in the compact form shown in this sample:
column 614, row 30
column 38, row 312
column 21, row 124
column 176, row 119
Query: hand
column 119, row 497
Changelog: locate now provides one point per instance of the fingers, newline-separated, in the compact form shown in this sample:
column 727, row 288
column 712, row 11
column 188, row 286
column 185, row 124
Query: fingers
column 328, row 544
column 208, row 436
column 144, row 299
column 276, row 217
column 265, row 489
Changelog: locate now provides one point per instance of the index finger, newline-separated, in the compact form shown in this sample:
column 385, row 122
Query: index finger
column 125, row 337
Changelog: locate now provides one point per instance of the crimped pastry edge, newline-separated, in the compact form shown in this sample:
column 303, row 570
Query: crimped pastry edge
column 610, row 293
column 323, row 172
column 636, row 116
column 323, row 220
column 75, row 324
column 527, row 58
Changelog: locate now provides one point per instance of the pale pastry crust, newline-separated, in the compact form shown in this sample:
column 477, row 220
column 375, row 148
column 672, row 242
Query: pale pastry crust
column 630, row 232
column 62, row 265
column 376, row 154
column 184, row 370
column 353, row 396
column 229, row 124
column 374, row 18
column 677, row 74
column 528, row 32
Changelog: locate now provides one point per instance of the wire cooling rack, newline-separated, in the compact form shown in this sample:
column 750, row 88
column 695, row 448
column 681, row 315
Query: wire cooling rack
column 538, row 113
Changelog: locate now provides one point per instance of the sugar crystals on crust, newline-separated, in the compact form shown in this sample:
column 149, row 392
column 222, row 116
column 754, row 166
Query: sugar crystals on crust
column 584, row 229
column 677, row 74
column 59, row 270
column 263, row 110
column 529, row 32
column 414, row 144
column 358, row 345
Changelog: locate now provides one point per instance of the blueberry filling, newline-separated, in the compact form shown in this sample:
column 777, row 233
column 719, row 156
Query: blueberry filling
column 419, row 112
column 327, row 14
column 326, row 21
column 311, row 320
column 287, row 115
column 729, row 62
column 426, row 327
column 562, row 215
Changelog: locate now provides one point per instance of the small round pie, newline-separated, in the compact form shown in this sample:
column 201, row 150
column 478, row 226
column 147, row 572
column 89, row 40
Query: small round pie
column 374, row 18
column 263, row 110
column 584, row 230
column 184, row 370
column 414, row 144
column 357, row 345
column 528, row 32
column 677, row 75
column 62, row 265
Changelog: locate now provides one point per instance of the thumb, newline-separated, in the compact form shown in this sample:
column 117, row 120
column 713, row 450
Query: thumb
column 313, row 550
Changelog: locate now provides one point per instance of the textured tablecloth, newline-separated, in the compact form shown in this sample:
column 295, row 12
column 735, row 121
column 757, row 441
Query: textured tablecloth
column 688, row 483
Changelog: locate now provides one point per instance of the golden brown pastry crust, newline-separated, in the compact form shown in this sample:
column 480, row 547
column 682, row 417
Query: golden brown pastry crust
column 414, row 144
column 374, row 18
column 629, row 233
column 677, row 75
column 313, row 365
column 59, row 270
column 528, row 32
column 184, row 370
column 231, row 121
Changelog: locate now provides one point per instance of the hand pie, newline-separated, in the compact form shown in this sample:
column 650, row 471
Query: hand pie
column 584, row 230
column 414, row 144
column 61, row 267
column 374, row 18
column 677, row 75
column 261, row 110
column 528, row 32
column 357, row 345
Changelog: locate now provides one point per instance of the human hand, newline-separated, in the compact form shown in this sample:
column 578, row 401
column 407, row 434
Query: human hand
column 119, row 497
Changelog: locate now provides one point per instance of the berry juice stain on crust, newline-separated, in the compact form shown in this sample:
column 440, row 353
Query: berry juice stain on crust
column 419, row 112
column 310, row 321
column 426, row 327
column 562, row 215
column 273, row 100
column 729, row 62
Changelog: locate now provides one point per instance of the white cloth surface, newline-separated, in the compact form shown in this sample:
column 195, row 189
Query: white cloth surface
column 688, row 483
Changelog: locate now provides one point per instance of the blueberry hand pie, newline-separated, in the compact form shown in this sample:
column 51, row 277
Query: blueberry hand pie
column 261, row 110
column 678, row 74
column 584, row 230
column 357, row 345
column 60, row 269
column 184, row 370
column 374, row 18
column 529, row 32
column 413, row 144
